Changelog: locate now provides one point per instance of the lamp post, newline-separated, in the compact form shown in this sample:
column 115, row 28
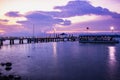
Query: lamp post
column 112, row 28
column 54, row 30
column 33, row 31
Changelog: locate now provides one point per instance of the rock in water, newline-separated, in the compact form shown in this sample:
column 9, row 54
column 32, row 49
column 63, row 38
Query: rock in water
column 8, row 68
column 8, row 64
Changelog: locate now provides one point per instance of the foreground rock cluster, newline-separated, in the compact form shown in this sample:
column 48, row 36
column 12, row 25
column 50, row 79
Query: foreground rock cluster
column 8, row 67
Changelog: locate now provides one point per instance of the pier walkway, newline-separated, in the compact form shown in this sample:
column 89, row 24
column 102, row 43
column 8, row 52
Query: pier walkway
column 36, row 39
column 22, row 40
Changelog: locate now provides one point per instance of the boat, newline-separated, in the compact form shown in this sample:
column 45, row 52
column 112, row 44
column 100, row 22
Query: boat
column 98, row 38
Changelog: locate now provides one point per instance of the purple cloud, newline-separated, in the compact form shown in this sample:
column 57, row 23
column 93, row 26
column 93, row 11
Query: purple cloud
column 13, row 14
column 43, row 19
column 78, row 8
column 67, row 22
column 4, row 20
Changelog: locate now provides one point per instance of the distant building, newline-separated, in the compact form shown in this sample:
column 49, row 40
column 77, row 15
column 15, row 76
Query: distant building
column 63, row 35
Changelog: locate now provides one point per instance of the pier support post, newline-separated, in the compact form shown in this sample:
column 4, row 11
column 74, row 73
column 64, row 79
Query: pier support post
column 11, row 41
column 20, row 41
column 1, row 42
column 36, row 40
column 28, row 40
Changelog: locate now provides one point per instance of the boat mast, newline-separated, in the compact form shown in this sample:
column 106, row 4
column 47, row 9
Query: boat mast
column 33, row 31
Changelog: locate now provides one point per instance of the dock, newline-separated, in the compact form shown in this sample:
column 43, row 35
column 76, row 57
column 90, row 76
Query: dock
column 36, row 39
column 99, row 38
column 57, row 38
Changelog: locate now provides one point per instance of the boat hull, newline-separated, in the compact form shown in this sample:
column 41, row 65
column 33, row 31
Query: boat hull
column 99, row 42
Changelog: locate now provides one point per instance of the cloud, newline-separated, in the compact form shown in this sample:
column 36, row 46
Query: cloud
column 4, row 20
column 13, row 14
column 79, row 8
column 43, row 19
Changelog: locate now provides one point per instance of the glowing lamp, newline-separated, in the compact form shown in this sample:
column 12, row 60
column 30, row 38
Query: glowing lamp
column 112, row 28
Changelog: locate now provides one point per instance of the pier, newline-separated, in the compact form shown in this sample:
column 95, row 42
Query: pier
column 22, row 40
column 57, row 38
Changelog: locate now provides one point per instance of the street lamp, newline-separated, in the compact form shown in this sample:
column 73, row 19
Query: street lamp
column 33, row 30
column 112, row 28
column 54, row 29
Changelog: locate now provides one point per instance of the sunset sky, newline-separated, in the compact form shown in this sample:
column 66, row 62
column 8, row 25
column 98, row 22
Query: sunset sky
column 17, row 17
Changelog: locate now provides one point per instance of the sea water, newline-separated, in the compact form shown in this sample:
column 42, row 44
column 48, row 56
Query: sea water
column 62, row 61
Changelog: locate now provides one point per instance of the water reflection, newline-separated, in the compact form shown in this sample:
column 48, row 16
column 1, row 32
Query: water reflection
column 112, row 66
column 55, row 49
column 63, row 61
column 112, row 57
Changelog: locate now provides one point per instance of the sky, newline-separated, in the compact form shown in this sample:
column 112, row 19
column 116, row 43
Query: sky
column 18, row 17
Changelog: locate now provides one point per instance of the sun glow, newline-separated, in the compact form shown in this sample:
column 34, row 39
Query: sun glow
column 2, row 31
column 86, row 18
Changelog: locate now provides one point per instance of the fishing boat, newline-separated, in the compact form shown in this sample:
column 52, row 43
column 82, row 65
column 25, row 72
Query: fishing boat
column 98, row 38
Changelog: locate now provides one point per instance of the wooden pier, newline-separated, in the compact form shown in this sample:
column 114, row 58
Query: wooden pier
column 56, row 38
column 36, row 39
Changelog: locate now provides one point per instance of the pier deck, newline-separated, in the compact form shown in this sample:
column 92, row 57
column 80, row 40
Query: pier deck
column 36, row 39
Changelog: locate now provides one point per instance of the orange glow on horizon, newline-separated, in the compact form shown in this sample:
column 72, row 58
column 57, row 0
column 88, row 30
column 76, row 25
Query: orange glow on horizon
column 2, row 31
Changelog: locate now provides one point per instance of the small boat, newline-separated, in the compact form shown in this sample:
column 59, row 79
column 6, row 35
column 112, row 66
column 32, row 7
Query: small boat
column 98, row 38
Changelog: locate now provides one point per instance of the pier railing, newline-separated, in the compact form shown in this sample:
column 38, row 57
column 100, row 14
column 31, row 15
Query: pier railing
column 36, row 39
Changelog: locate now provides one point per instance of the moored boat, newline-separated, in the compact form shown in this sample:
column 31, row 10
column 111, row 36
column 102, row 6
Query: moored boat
column 98, row 38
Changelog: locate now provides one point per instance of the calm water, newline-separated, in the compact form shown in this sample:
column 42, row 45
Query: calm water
column 63, row 61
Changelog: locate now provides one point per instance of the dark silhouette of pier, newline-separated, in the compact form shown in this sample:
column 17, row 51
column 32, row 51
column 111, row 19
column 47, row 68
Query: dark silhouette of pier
column 55, row 38
column 37, row 39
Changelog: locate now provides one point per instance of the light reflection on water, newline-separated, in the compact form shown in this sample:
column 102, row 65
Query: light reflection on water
column 55, row 49
column 112, row 57
column 112, row 62
column 63, row 61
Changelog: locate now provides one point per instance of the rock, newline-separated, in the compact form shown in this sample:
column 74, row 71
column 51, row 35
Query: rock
column 28, row 56
column 2, row 64
column 8, row 68
column 10, row 76
column 4, row 78
column 8, row 64
column 0, row 73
